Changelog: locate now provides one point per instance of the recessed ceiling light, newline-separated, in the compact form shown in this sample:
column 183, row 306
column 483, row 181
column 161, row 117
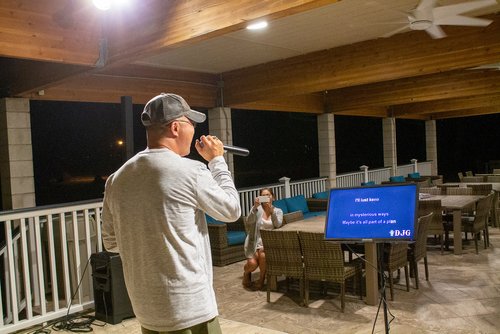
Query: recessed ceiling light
column 257, row 25
column 107, row 4
column 102, row 4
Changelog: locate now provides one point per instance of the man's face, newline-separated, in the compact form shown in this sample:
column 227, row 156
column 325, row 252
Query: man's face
column 186, row 134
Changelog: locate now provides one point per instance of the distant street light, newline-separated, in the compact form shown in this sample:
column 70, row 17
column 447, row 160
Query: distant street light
column 120, row 142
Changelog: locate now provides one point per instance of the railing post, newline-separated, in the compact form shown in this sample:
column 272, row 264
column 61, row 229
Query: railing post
column 286, row 185
column 415, row 165
column 365, row 170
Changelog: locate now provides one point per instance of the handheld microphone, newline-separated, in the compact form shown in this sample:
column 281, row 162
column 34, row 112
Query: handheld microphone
column 236, row 150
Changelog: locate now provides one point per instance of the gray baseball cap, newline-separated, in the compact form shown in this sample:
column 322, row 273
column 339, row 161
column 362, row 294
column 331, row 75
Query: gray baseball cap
column 166, row 107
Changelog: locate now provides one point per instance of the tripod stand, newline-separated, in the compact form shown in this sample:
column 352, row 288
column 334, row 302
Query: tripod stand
column 380, row 252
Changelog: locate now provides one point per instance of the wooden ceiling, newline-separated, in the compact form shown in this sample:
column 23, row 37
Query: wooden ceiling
column 66, row 50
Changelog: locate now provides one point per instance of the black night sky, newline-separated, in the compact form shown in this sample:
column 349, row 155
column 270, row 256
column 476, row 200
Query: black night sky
column 75, row 146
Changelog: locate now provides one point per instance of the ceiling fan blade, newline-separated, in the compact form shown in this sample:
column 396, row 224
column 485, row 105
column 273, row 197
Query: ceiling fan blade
column 435, row 32
column 460, row 20
column 425, row 4
column 487, row 67
column 441, row 12
column 394, row 32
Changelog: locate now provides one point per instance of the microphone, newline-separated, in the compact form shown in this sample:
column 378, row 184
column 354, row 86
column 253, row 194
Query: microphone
column 236, row 150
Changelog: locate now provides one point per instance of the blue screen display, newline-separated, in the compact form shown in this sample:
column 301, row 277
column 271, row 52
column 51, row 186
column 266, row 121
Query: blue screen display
column 380, row 212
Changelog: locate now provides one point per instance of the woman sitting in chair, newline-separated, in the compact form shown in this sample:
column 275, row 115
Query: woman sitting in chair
column 263, row 215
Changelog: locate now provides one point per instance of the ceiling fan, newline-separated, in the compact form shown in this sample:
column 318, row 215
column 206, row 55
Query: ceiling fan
column 426, row 16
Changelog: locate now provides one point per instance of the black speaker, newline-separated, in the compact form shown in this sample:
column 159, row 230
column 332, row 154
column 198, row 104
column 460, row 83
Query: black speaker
column 111, row 300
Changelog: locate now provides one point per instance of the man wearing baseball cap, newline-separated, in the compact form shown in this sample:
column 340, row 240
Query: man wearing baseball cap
column 154, row 216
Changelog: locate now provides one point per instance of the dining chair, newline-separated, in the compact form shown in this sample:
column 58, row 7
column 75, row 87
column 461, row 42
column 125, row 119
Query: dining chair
column 436, row 227
column 283, row 258
column 394, row 258
column 481, row 189
column 462, row 191
column 324, row 261
column 458, row 191
column 418, row 250
column 473, row 179
column 479, row 222
column 493, row 178
column 431, row 190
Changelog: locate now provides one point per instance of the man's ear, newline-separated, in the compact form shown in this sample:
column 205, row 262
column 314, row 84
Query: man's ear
column 174, row 129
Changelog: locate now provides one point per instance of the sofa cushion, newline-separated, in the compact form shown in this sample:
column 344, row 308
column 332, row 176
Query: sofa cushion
column 281, row 204
column 320, row 195
column 211, row 220
column 369, row 183
column 399, row 178
column 235, row 238
column 297, row 203
column 415, row 175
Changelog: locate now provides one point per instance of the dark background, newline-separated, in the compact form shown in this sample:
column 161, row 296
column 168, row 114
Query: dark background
column 75, row 146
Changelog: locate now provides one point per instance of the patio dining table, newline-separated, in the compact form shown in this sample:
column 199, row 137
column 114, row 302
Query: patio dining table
column 455, row 204
column 317, row 225
column 495, row 186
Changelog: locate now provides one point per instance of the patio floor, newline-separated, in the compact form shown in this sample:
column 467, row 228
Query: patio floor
column 462, row 296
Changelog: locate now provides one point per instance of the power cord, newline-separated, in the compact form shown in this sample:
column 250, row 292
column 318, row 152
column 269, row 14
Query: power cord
column 76, row 323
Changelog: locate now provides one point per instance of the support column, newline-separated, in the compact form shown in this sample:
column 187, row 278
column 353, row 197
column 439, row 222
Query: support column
column 431, row 145
column 326, row 148
column 390, row 147
column 16, row 154
column 219, row 124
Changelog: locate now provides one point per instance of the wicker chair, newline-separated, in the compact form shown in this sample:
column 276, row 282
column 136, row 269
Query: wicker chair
column 458, row 191
column 480, row 189
column 435, row 227
column 395, row 257
column 222, row 252
column 469, row 173
column 460, row 176
column 473, row 179
column 317, row 204
column 324, row 261
column 431, row 190
column 418, row 250
column 493, row 178
column 479, row 222
column 283, row 257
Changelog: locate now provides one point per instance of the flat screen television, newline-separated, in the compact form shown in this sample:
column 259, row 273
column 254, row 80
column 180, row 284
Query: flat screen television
column 378, row 213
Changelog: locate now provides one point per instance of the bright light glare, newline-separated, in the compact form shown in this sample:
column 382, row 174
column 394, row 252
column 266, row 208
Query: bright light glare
column 257, row 25
column 119, row 142
column 102, row 4
column 107, row 4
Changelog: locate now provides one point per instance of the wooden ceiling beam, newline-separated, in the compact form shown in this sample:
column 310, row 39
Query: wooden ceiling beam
column 401, row 56
column 172, row 24
column 467, row 112
column 311, row 103
column 375, row 111
column 437, row 86
column 446, row 105
column 57, row 31
column 109, row 89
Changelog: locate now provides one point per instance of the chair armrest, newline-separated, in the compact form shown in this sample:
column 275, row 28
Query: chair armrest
column 316, row 204
column 218, row 235
column 238, row 225
column 292, row 217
